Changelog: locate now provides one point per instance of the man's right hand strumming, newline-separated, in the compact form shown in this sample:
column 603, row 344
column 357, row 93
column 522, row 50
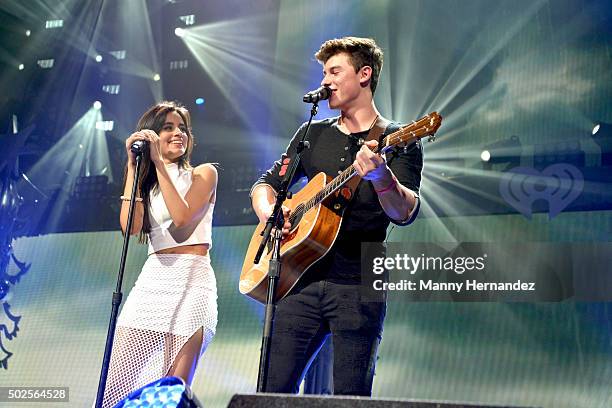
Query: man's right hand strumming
column 263, row 205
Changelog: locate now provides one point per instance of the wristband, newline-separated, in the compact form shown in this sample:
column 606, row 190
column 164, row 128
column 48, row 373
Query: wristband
column 389, row 187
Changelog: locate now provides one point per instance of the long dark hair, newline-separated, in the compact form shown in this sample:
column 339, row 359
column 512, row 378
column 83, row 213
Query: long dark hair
column 154, row 119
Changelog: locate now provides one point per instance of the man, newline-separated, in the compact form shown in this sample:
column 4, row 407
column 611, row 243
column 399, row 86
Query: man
column 329, row 299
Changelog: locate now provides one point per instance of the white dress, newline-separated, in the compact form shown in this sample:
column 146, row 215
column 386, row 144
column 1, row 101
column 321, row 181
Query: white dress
column 173, row 297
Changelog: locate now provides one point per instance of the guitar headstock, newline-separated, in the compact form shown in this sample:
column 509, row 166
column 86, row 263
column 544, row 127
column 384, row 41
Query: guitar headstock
column 428, row 125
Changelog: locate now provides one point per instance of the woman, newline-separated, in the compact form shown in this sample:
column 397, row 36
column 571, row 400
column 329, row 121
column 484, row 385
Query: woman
column 170, row 315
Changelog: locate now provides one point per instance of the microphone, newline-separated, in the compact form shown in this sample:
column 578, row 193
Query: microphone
column 319, row 94
column 138, row 146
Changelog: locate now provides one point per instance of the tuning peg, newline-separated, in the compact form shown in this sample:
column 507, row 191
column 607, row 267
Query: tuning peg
column 431, row 138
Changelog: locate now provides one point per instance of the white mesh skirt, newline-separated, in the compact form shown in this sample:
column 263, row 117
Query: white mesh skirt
column 174, row 296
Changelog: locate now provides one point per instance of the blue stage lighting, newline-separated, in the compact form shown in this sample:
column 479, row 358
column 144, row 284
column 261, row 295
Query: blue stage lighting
column 106, row 125
column 46, row 63
column 188, row 19
column 485, row 156
column 169, row 392
column 199, row 101
column 54, row 24
column 602, row 135
column 119, row 54
column 179, row 64
column 505, row 152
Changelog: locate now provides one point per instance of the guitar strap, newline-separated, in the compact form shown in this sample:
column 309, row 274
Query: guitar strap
column 348, row 192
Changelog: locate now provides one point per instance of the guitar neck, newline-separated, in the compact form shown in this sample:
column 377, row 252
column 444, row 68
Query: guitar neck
column 325, row 192
column 331, row 187
column 334, row 185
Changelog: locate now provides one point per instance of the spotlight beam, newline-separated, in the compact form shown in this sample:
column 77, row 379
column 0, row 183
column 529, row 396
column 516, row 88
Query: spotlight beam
column 454, row 83
column 463, row 187
column 437, row 224
column 232, row 64
column 67, row 159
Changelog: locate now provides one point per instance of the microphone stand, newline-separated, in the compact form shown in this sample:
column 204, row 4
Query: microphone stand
column 276, row 220
column 117, row 295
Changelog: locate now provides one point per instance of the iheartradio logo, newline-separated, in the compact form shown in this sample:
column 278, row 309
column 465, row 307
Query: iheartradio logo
column 558, row 184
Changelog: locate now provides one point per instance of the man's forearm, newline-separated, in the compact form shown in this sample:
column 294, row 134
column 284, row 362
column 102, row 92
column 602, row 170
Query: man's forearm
column 397, row 201
column 262, row 198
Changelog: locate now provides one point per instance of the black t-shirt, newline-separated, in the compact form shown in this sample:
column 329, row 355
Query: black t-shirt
column 332, row 151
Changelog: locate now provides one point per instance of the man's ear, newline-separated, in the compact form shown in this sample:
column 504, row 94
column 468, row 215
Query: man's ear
column 365, row 74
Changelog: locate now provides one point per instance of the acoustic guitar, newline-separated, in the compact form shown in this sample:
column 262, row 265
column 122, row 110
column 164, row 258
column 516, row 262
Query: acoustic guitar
column 315, row 217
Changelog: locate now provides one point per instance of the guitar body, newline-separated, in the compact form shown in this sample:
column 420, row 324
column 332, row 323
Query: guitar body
column 307, row 242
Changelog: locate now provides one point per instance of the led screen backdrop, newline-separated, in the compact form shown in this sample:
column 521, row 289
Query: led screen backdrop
column 553, row 354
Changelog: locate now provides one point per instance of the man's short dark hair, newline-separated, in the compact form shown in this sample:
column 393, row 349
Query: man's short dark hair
column 362, row 52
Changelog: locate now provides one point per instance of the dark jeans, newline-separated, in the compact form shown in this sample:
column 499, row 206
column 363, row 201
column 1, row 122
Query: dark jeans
column 315, row 309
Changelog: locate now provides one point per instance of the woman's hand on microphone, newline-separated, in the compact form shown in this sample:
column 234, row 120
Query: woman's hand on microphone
column 152, row 139
column 128, row 146
column 154, row 146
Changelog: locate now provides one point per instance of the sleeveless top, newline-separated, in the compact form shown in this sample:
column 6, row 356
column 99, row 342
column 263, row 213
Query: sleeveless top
column 164, row 234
